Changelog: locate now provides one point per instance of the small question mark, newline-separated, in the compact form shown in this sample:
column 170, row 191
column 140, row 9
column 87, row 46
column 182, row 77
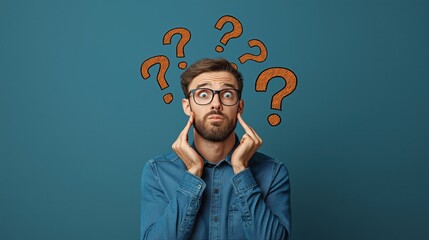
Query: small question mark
column 258, row 58
column 276, row 101
column 164, row 63
column 237, row 30
column 185, row 37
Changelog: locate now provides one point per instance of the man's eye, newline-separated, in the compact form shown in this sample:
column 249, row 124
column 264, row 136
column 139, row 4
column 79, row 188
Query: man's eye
column 203, row 94
column 227, row 95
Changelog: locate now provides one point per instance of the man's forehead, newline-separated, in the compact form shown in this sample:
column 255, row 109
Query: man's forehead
column 211, row 79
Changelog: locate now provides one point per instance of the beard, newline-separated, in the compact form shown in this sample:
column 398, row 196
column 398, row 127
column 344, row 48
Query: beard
column 215, row 132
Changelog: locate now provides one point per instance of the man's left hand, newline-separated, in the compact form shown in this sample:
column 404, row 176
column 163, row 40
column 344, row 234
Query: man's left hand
column 250, row 142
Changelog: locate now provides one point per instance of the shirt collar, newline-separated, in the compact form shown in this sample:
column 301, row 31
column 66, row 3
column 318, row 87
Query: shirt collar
column 227, row 158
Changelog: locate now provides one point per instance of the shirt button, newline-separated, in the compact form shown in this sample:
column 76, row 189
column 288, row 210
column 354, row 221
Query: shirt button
column 216, row 190
column 199, row 186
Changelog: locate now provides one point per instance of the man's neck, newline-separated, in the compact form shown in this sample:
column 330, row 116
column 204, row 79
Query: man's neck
column 214, row 152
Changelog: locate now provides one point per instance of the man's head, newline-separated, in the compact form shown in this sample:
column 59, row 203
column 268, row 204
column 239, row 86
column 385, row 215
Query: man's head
column 212, row 89
column 208, row 65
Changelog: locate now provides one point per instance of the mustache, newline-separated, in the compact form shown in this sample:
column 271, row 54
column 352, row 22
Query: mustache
column 213, row 112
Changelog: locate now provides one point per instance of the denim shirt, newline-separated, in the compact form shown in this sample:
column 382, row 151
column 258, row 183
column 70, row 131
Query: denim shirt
column 253, row 204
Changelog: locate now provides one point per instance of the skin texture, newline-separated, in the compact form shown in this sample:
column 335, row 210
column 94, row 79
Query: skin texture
column 215, row 151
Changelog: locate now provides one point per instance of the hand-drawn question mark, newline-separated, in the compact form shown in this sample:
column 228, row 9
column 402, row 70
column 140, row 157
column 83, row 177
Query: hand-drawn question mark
column 258, row 58
column 237, row 30
column 164, row 63
column 276, row 101
column 185, row 37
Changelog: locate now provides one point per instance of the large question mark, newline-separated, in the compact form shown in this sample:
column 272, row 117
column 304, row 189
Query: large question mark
column 237, row 30
column 258, row 58
column 164, row 63
column 276, row 101
column 180, row 48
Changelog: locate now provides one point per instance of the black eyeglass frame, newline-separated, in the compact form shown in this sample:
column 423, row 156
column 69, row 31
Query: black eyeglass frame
column 214, row 93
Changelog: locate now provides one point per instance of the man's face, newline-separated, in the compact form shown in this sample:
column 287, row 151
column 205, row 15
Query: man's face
column 214, row 121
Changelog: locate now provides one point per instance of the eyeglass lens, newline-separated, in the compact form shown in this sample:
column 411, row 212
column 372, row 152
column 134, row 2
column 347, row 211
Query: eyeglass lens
column 205, row 96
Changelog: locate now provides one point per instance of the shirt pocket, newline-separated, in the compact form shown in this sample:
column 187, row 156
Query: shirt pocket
column 235, row 226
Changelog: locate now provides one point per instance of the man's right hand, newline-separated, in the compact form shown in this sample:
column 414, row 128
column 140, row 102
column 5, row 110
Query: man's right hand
column 193, row 161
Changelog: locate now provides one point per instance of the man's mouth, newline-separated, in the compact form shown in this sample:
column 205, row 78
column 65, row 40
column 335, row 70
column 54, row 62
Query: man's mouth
column 215, row 116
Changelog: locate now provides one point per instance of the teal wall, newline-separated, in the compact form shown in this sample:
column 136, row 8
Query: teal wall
column 78, row 122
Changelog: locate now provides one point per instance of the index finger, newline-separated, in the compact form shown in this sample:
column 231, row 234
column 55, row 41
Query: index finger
column 188, row 124
column 249, row 131
column 246, row 127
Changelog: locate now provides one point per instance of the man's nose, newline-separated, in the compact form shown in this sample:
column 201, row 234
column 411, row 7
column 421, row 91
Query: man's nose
column 216, row 103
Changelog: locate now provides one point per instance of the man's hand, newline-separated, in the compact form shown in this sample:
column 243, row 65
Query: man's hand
column 193, row 162
column 250, row 142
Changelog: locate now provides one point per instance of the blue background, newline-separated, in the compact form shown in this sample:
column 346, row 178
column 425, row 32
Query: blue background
column 78, row 121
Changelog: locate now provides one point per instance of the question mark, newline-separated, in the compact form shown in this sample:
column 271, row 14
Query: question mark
column 237, row 30
column 164, row 63
column 258, row 58
column 184, row 39
column 276, row 101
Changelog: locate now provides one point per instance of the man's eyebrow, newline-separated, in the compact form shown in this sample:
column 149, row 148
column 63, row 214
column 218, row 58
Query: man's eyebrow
column 229, row 85
column 203, row 85
column 209, row 85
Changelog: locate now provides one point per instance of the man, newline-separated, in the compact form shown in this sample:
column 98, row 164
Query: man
column 217, row 187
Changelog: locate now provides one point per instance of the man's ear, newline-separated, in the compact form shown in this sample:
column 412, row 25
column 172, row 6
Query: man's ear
column 186, row 106
column 241, row 106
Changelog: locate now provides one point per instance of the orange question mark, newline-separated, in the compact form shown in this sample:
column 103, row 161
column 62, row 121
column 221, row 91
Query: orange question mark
column 276, row 101
column 258, row 58
column 237, row 30
column 180, row 48
column 164, row 63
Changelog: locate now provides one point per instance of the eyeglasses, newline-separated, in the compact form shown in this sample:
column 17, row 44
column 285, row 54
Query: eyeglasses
column 204, row 96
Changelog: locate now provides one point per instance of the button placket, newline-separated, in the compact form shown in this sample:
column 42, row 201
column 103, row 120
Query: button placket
column 215, row 207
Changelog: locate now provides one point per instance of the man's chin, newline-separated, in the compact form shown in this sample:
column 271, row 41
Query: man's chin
column 215, row 131
column 215, row 124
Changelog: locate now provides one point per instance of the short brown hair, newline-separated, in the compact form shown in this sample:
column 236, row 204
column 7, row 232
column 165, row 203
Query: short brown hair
column 208, row 65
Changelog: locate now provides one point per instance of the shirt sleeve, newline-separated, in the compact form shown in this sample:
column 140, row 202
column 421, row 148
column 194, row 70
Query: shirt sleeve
column 163, row 218
column 266, row 217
